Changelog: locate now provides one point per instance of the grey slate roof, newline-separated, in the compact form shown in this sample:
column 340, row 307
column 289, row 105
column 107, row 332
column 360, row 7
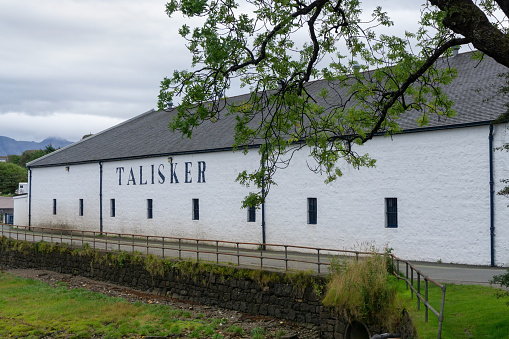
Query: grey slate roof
column 147, row 135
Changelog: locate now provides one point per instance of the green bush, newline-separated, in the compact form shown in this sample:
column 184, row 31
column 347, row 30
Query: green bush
column 503, row 281
column 364, row 291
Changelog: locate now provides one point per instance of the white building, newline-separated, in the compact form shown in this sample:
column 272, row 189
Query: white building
column 431, row 197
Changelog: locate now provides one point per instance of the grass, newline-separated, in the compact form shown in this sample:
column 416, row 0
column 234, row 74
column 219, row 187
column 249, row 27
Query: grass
column 471, row 311
column 32, row 309
column 363, row 291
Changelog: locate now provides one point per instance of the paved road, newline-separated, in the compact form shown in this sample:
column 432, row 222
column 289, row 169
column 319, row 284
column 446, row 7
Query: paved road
column 459, row 274
column 443, row 273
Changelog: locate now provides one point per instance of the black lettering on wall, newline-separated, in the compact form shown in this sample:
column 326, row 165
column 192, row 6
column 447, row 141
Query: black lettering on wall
column 201, row 171
column 188, row 172
column 161, row 175
column 141, row 177
column 131, row 177
column 119, row 171
column 173, row 174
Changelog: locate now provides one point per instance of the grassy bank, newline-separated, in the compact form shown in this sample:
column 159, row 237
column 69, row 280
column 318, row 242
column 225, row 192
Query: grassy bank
column 471, row 311
column 32, row 309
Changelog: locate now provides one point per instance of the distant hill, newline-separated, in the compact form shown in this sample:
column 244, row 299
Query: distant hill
column 10, row 146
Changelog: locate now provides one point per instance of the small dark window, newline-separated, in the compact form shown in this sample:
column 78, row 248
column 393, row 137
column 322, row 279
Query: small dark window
column 81, row 207
column 251, row 214
column 54, row 206
column 149, row 209
column 112, row 207
column 196, row 209
column 312, row 211
column 391, row 212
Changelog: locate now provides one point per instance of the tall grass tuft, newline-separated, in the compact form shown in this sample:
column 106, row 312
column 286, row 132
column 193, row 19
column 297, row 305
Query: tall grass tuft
column 363, row 290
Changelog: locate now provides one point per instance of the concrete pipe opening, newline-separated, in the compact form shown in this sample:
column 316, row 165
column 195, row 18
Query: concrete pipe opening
column 357, row 330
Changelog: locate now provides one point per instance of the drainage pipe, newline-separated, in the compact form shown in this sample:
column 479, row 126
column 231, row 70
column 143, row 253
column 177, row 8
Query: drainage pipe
column 29, row 198
column 492, row 193
column 100, row 197
column 263, row 212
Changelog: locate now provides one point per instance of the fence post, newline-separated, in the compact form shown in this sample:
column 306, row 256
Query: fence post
column 418, row 291
column 412, row 282
column 286, row 257
column 406, row 274
column 147, row 244
column 261, row 255
column 318, row 250
column 180, row 249
column 441, row 317
column 163, row 247
column 217, row 252
column 238, row 255
column 197, row 251
column 426, row 298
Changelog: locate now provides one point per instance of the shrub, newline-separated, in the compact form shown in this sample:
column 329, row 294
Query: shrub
column 363, row 290
column 503, row 281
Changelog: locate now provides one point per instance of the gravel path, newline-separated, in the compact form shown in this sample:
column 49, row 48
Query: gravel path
column 246, row 321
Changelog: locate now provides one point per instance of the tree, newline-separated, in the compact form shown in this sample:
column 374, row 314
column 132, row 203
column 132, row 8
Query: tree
column 10, row 176
column 13, row 158
column 256, row 42
column 31, row 155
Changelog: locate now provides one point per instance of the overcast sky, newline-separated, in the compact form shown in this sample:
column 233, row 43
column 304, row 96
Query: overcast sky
column 73, row 67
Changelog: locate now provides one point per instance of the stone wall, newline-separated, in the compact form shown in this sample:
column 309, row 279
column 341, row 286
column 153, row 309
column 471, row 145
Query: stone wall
column 276, row 294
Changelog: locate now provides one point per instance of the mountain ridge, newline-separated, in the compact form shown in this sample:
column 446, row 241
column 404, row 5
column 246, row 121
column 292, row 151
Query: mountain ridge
column 10, row 146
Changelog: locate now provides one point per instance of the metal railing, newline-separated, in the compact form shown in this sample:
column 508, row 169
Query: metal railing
column 245, row 253
column 409, row 279
column 252, row 254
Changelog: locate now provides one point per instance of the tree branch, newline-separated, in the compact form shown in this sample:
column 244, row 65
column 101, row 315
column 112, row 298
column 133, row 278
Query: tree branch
column 465, row 18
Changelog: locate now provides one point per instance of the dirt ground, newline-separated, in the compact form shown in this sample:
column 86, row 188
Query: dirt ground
column 246, row 321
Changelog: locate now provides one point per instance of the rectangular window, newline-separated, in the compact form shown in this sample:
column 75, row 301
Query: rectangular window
column 391, row 212
column 251, row 214
column 196, row 209
column 149, row 209
column 81, row 207
column 54, row 206
column 112, row 207
column 312, row 211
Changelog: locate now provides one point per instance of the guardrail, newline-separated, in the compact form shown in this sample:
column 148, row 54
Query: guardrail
column 420, row 297
column 213, row 250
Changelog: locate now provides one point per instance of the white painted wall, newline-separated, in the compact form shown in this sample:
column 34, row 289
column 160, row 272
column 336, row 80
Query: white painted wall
column 67, row 187
column 501, row 213
column 440, row 178
column 441, row 181
column 221, row 216
column 21, row 210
